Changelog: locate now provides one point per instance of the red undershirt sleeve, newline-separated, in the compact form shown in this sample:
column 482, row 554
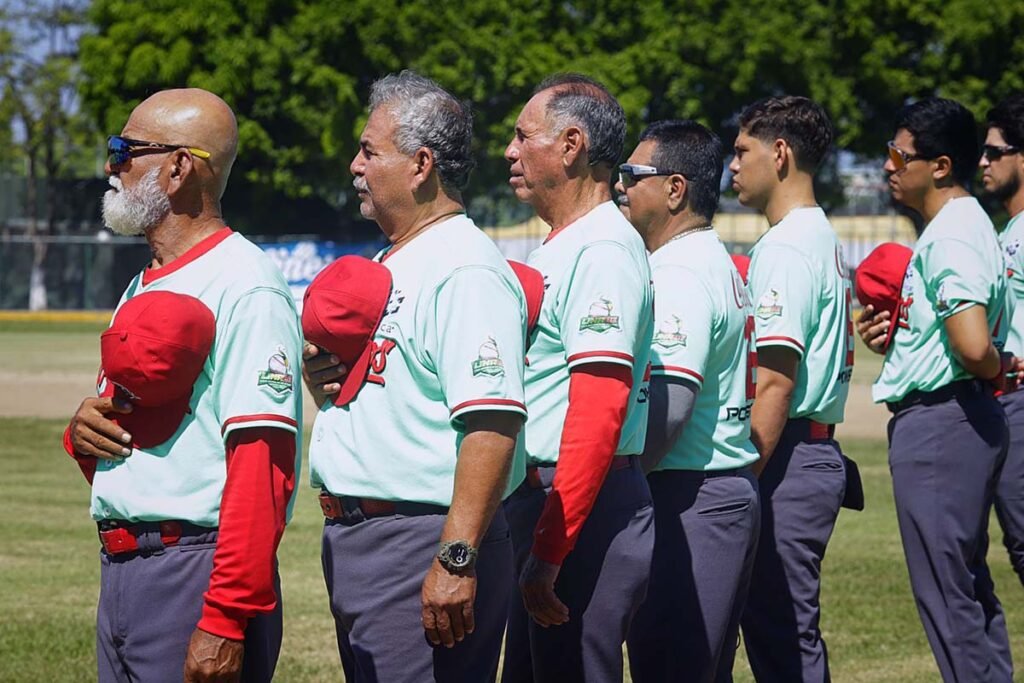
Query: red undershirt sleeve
column 260, row 482
column 86, row 463
column 598, row 398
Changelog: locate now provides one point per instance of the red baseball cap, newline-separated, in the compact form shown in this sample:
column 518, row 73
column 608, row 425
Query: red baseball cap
column 879, row 282
column 532, row 283
column 152, row 355
column 742, row 263
column 341, row 311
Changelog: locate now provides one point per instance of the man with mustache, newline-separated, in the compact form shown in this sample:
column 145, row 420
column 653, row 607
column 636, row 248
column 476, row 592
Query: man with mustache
column 190, row 517
column 802, row 299
column 1002, row 165
column 415, row 447
column 583, row 531
column 948, row 434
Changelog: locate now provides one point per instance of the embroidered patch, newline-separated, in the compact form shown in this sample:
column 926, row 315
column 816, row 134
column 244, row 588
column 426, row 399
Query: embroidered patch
column 669, row 334
column 278, row 374
column 600, row 318
column 488, row 362
column 941, row 305
column 769, row 306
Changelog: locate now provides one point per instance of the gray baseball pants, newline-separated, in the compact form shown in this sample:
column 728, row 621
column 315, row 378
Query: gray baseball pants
column 706, row 529
column 945, row 461
column 603, row 581
column 801, row 487
column 1009, row 502
column 150, row 602
column 374, row 570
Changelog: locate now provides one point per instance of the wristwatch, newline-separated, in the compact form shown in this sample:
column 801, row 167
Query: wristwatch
column 457, row 556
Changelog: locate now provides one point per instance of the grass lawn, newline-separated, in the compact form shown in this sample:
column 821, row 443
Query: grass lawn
column 48, row 560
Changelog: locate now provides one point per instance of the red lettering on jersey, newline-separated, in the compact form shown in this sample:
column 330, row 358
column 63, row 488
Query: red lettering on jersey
column 379, row 361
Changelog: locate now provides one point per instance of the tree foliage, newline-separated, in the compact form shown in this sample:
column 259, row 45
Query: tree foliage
column 298, row 72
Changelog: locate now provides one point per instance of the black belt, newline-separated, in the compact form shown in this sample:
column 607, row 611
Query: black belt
column 352, row 510
column 953, row 390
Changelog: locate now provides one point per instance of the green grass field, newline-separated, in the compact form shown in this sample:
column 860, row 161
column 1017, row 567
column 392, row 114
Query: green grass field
column 49, row 569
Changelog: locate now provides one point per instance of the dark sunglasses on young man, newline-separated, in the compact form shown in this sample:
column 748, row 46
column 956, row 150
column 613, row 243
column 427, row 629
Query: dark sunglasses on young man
column 997, row 152
column 631, row 174
column 120, row 149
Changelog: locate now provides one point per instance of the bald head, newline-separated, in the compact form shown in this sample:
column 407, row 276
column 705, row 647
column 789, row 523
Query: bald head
column 191, row 117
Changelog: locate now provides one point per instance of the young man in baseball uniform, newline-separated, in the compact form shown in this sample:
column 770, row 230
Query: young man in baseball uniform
column 698, row 449
column 583, row 533
column 191, row 520
column 948, row 434
column 418, row 447
column 801, row 297
column 1002, row 165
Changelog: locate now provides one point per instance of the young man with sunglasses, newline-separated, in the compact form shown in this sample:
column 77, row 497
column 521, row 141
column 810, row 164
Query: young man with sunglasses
column 190, row 521
column 698, row 450
column 582, row 530
column 948, row 434
column 1002, row 165
column 801, row 296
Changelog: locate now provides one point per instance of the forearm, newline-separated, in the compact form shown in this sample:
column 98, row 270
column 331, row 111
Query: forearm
column 481, row 476
column 768, row 418
column 260, row 482
column 671, row 403
column 598, row 398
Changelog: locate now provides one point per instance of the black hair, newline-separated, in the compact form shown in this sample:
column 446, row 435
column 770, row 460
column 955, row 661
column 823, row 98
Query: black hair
column 689, row 148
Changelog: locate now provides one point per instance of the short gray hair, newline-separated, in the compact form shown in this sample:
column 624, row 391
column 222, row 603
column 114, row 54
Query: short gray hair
column 581, row 101
column 429, row 116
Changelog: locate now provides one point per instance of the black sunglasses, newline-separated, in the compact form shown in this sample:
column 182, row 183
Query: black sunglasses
column 997, row 152
column 121, row 149
column 631, row 174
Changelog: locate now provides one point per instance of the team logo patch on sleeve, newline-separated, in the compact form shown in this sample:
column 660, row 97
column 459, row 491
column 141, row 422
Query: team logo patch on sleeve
column 941, row 304
column 278, row 375
column 488, row 362
column 769, row 306
column 600, row 318
column 669, row 334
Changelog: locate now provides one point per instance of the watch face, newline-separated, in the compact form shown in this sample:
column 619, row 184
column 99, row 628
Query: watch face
column 459, row 554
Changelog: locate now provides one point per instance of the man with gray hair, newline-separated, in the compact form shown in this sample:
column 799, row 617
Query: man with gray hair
column 418, row 370
column 583, row 533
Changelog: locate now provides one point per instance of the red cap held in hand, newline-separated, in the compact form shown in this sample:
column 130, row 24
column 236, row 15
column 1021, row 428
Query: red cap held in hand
column 152, row 355
column 341, row 310
column 879, row 282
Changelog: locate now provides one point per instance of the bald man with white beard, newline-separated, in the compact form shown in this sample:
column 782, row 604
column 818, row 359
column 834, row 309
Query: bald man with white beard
column 190, row 523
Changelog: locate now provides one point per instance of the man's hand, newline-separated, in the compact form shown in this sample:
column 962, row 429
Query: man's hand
column 94, row 435
column 447, row 601
column 212, row 659
column 321, row 371
column 873, row 327
column 1010, row 376
column 537, row 584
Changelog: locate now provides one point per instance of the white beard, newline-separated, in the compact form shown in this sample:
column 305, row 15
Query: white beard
column 133, row 212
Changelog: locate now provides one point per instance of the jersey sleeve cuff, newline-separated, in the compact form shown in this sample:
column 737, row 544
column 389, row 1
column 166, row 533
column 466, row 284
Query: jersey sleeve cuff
column 678, row 372
column 956, row 307
column 505, row 404
column 260, row 420
column 220, row 623
column 616, row 357
column 780, row 340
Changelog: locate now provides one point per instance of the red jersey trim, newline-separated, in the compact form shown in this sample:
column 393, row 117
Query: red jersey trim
column 503, row 402
column 618, row 355
column 679, row 369
column 149, row 275
column 780, row 340
column 262, row 417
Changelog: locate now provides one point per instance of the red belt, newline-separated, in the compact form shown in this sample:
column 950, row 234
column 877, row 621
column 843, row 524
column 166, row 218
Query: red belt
column 122, row 539
column 818, row 431
column 533, row 479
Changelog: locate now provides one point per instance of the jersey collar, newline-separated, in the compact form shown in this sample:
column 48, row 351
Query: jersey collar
column 150, row 275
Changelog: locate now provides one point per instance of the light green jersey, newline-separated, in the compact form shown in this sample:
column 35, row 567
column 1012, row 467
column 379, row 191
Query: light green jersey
column 451, row 342
column 704, row 330
column 802, row 300
column 957, row 263
column 598, row 308
column 1012, row 239
column 250, row 379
